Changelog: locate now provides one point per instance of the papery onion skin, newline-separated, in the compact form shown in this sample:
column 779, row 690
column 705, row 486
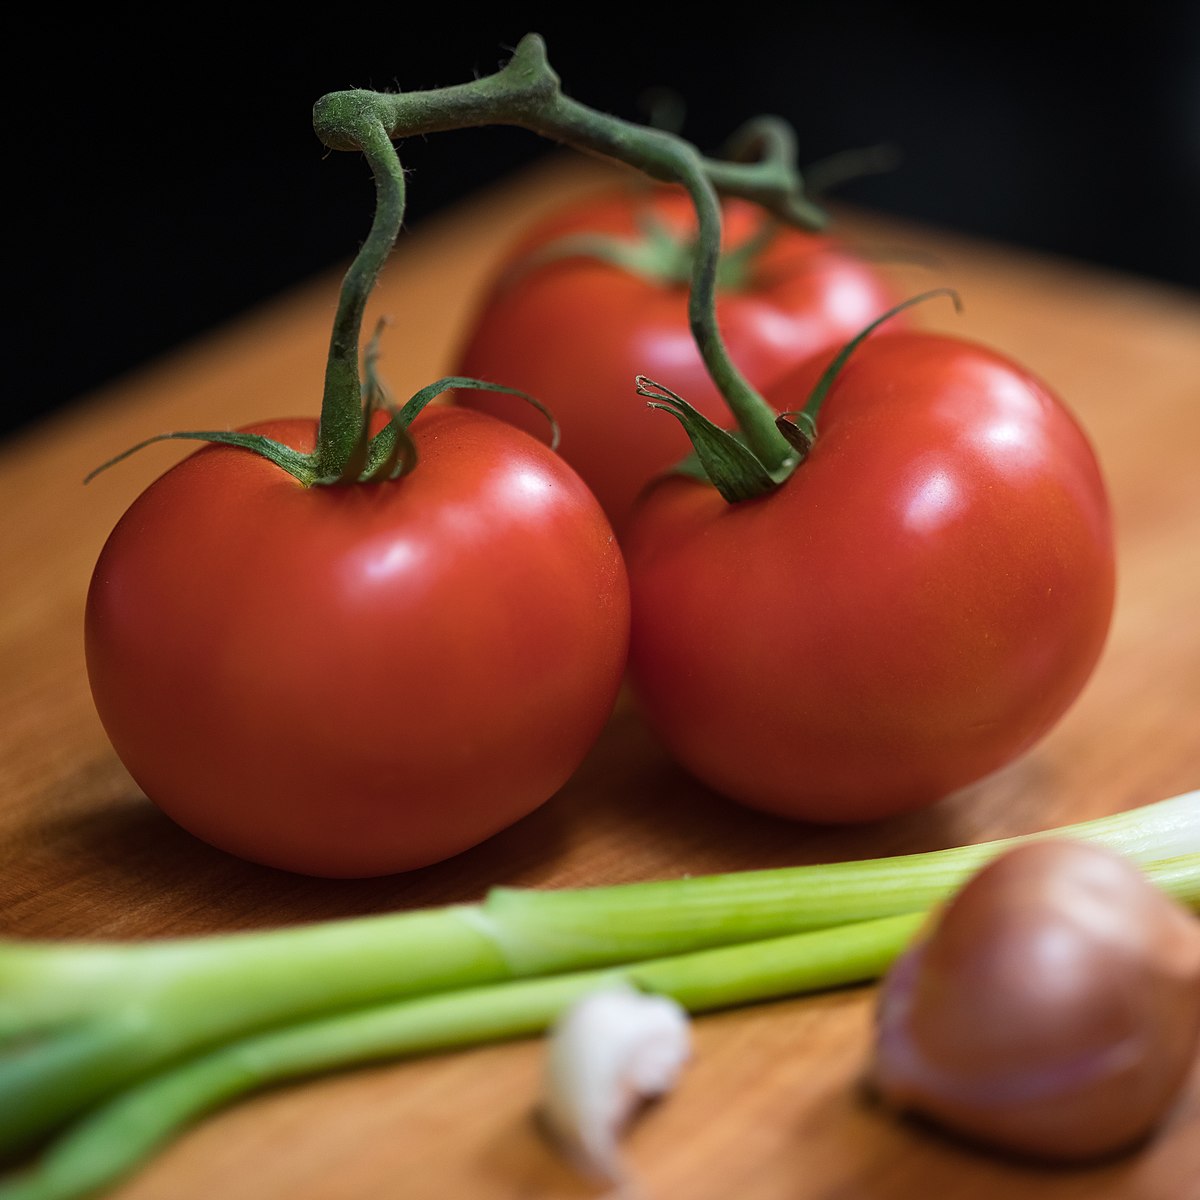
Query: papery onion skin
column 1053, row 1010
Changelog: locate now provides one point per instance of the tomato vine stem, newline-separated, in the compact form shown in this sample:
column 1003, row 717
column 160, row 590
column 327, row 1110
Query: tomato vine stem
column 342, row 434
column 527, row 92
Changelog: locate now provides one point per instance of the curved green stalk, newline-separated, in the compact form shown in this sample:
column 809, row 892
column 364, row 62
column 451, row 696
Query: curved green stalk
column 527, row 93
column 342, row 440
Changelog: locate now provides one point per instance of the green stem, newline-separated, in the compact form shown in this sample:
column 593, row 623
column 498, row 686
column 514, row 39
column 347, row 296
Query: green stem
column 101, row 1014
column 342, row 440
column 109, row 1143
column 81, row 1019
column 540, row 932
column 755, row 417
column 527, row 93
column 1179, row 877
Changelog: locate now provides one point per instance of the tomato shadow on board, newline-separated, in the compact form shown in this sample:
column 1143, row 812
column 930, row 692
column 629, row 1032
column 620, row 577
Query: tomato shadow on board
column 628, row 813
column 671, row 816
column 153, row 877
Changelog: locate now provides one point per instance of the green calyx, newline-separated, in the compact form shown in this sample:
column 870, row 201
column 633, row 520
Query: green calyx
column 800, row 426
column 386, row 454
column 726, row 459
column 719, row 456
column 658, row 254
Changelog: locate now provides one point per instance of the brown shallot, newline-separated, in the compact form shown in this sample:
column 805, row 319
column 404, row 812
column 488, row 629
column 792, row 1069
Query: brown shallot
column 1052, row 1010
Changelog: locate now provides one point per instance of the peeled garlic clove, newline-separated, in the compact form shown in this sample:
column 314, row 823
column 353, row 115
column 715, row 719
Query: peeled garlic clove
column 1053, row 1011
column 608, row 1053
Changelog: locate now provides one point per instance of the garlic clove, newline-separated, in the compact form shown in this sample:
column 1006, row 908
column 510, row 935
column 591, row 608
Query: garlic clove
column 607, row 1054
column 1053, row 1010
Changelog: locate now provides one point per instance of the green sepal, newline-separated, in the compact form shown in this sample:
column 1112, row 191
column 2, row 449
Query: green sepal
column 448, row 383
column 391, row 453
column 800, row 426
column 719, row 456
column 294, row 462
column 654, row 255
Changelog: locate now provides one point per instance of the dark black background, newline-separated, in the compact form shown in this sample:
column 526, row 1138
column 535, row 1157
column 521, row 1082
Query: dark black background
column 167, row 177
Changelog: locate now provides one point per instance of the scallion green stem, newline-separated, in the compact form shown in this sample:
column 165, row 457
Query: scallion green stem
column 108, row 1144
column 78, row 1021
column 540, row 932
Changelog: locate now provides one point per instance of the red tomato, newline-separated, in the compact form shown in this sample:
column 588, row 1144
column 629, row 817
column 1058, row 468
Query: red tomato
column 351, row 681
column 914, row 607
column 576, row 331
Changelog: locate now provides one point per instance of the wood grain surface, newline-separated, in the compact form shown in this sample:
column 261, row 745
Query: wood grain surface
column 770, row 1106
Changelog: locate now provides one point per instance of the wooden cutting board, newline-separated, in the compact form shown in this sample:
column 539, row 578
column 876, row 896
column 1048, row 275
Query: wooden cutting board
column 770, row 1105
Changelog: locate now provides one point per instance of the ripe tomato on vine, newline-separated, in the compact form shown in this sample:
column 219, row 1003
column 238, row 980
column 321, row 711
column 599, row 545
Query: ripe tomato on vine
column 360, row 679
column 597, row 293
column 916, row 604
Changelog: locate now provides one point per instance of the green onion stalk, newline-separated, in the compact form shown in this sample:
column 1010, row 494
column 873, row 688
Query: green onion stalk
column 116, row 1047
